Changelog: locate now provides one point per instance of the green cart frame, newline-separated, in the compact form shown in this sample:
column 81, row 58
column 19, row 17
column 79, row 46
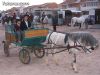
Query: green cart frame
column 31, row 42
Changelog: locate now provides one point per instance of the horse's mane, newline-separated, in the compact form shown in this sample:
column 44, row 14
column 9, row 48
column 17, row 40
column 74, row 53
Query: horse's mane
column 86, row 38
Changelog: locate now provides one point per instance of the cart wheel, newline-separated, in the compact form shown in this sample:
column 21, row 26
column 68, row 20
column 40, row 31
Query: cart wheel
column 39, row 52
column 24, row 56
column 6, row 48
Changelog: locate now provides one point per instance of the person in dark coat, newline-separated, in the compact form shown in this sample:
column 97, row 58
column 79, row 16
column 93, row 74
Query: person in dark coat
column 14, row 16
column 25, row 24
column 43, row 16
column 54, row 21
column 30, row 17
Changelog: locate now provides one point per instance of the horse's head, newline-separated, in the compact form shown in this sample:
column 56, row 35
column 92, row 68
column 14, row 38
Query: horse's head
column 96, row 45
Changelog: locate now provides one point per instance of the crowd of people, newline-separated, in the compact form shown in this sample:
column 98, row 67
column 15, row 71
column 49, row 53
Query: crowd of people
column 26, row 21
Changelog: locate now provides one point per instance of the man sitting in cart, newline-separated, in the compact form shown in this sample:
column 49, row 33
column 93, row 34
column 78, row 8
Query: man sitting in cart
column 18, row 30
column 25, row 24
column 20, row 27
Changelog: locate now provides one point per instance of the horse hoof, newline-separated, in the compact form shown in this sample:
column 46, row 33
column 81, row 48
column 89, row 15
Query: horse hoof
column 47, row 65
column 76, row 71
column 74, row 68
column 57, row 64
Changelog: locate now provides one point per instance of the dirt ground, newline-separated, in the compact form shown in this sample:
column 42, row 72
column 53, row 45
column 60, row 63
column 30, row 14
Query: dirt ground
column 88, row 64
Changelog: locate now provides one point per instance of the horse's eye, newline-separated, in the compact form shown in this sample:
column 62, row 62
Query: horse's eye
column 92, row 48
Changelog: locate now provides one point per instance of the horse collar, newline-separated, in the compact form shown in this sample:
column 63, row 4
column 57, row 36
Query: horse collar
column 49, row 37
column 66, row 37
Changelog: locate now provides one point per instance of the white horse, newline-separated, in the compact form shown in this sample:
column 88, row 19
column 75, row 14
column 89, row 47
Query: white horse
column 83, row 39
column 79, row 20
column 35, row 20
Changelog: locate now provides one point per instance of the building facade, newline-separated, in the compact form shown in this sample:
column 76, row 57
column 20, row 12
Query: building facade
column 71, row 4
column 82, row 5
column 90, row 6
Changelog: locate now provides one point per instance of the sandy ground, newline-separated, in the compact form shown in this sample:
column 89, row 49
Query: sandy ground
column 88, row 64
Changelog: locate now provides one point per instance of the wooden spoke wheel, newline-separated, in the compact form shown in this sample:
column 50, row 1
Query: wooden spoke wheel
column 39, row 52
column 6, row 48
column 24, row 56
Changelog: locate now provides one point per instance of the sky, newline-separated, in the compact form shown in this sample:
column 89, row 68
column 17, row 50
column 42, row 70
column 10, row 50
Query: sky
column 31, row 2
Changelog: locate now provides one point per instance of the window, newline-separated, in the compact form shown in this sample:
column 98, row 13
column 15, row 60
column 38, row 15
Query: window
column 96, row 3
column 64, row 6
column 92, row 4
column 70, row 5
column 75, row 0
column 83, row 5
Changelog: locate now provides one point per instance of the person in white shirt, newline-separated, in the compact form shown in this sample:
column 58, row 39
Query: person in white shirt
column 25, row 23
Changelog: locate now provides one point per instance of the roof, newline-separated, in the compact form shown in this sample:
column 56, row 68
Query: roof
column 50, row 5
column 45, row 5
column 71, row 1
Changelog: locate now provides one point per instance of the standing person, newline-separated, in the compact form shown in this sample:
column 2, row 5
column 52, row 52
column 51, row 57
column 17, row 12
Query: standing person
column 25, row 24
column 54, row 21
column 31, row 17
column 68, row 20
column 14, row 15
column 6, row 20
column 21, row 16
column 68, row 17
column 42, row 18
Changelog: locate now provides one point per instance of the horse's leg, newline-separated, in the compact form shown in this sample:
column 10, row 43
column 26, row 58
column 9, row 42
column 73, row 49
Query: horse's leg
column 74, row 65
column 80, row 25
column 73, row 53
column 47, row 53
column 46, row 59
column 71, row 22
column 86, row 25
column 51, row 51
column 55, row 59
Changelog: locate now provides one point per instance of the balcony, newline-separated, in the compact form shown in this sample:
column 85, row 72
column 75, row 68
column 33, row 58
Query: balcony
column 89, row 5
column 88, row 8
column 73, row 8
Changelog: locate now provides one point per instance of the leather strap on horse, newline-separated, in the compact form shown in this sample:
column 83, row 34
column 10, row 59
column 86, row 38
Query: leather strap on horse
column 49, row 38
